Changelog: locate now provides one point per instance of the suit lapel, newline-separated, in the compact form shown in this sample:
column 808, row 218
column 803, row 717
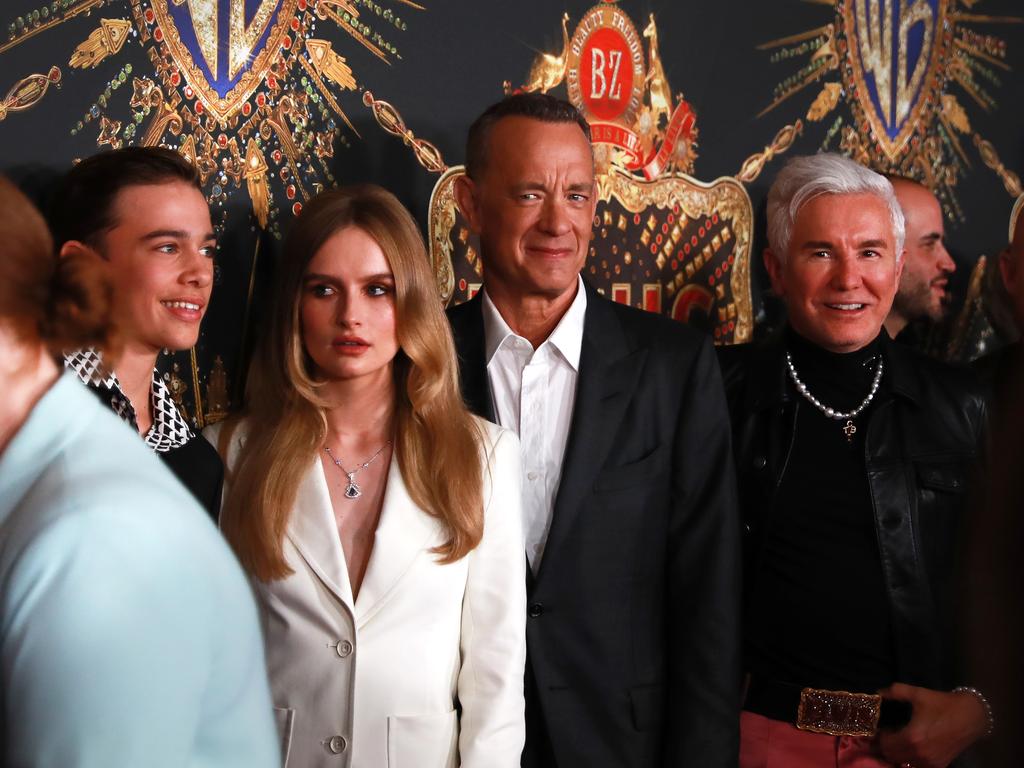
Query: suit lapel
column 467, row 321
column 609, row 371
column 313, row 531
column 403, row 533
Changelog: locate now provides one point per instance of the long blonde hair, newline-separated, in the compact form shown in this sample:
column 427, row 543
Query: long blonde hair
column 437, row 443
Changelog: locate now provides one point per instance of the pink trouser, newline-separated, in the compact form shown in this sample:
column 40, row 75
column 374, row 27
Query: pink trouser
column 766, row 743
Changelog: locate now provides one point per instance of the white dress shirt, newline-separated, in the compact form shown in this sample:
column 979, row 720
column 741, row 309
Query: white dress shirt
column 533, row 393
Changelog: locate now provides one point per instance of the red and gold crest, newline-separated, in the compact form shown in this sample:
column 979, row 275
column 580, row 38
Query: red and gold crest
column 605, row 76
column 663, row 240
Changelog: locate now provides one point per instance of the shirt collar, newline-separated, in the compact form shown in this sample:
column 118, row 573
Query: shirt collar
column 567, row 337
column 169, row 430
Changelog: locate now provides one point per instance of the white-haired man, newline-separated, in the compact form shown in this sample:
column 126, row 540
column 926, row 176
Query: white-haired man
column 852, row 454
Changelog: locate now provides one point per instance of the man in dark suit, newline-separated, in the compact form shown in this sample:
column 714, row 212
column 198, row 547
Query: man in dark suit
column 630, row 517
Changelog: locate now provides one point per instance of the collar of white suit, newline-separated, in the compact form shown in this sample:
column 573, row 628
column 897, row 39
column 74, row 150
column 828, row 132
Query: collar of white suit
column 403, row 532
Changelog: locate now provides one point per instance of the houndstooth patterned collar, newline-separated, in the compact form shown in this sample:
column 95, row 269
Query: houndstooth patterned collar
column 169, row 430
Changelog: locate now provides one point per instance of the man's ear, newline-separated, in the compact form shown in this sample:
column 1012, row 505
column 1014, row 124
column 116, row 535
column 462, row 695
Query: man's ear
column 900, row 264
column 78, row 248
column 466, row 194
column 773, row 264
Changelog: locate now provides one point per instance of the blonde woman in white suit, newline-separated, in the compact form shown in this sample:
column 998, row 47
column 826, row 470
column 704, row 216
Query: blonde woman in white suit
column 378, row 519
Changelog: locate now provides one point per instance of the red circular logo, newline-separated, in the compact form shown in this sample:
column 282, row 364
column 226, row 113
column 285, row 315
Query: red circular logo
column 606, row 74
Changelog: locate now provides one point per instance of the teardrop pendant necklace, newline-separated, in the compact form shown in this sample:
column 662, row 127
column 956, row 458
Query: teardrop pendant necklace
column 352, row 489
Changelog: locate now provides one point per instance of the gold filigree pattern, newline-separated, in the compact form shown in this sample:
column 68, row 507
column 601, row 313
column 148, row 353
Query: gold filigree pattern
column 428, row 155
column 989, row 155
column 443, row 212
column 103, row 42
column 28, row 91
column 825, row 102
column 783, row 140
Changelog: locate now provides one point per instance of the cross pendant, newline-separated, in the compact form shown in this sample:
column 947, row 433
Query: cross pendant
column 849, row 430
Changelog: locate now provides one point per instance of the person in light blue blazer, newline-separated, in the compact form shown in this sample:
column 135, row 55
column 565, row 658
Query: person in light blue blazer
column 128, row 635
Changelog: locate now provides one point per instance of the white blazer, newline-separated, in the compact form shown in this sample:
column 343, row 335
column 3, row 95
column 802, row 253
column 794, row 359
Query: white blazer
column 375, row 682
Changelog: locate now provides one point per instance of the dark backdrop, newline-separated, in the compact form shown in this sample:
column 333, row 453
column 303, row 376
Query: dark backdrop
column 454, row 56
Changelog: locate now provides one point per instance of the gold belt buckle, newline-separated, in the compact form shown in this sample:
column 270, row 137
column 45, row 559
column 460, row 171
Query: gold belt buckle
column 838, row 713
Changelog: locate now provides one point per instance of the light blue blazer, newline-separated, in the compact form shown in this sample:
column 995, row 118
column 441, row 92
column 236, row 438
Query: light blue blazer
column 128, row 634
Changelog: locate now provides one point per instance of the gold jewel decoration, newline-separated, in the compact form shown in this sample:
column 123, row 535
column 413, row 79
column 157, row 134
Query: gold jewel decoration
column 109, row 130
column 178, row 387
column 428, row 155
column 143, row 92
column 166, row 118
column 897, row 69
column 28, row 91
column 783, row 140
column 329, row 64
column 108, row 39
column 989, row 155
column 24, row 28
column 218, row 402
column 256, row 180
column 823, row 60
column 548, row 69
column 825, row 102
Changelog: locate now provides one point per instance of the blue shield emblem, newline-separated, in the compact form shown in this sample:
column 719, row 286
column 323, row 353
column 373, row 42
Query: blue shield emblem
column 895, row 48
column 224, row 48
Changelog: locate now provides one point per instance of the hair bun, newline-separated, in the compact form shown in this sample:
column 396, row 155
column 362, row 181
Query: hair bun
column 79, row 306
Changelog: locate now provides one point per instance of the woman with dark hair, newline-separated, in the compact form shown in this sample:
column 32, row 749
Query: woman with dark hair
column 140, row 211
column 128, row 636
column 378, row 518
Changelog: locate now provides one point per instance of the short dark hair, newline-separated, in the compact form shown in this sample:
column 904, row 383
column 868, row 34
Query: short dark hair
column 82, row 208
column 536, row 106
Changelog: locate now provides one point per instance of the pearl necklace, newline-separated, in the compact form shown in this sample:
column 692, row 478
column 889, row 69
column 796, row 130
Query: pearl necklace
column 850, row 429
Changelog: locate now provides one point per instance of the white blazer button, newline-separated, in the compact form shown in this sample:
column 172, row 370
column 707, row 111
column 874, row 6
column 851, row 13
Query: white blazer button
column 344, row 648
column 337, row 744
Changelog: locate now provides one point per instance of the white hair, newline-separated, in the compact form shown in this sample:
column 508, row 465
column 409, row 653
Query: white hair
column 804, row 178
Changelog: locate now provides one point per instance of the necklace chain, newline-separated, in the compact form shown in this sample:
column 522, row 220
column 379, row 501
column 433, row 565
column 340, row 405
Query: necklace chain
column 832, row 413
column 352, row 489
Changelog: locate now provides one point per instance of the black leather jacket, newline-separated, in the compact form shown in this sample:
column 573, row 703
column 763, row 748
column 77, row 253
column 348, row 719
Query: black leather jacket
column 923, row 438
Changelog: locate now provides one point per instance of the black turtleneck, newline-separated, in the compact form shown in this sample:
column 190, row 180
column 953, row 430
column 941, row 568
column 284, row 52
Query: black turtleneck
column 819, row 614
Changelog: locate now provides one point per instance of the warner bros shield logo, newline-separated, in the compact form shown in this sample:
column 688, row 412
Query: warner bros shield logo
column 895, row 54
column 224, row 47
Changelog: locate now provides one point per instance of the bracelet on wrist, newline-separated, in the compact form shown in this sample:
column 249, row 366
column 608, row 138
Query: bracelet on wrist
column 984, row 703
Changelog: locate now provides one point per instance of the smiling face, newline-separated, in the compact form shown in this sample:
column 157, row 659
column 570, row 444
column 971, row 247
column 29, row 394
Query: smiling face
column 533, row 207
column 923, row 290
column 840, row 275
column 160, row 256
column 347, row 309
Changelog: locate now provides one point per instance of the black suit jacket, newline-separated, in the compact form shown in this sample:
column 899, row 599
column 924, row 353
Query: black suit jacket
column 632, row 633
